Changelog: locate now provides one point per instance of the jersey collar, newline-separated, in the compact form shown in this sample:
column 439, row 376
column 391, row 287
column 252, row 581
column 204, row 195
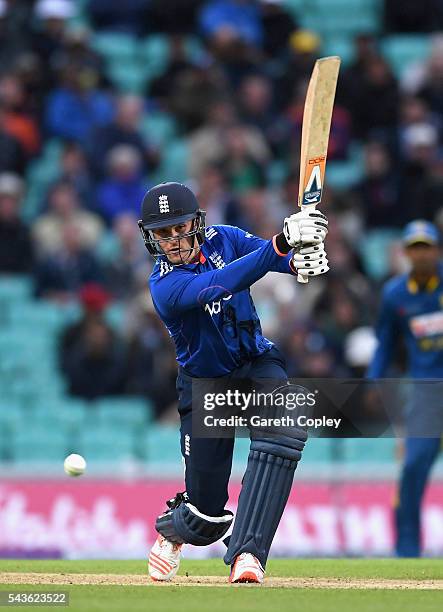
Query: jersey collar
column 431, row 285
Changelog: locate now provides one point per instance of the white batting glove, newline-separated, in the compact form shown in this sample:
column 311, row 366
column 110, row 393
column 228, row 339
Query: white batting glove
column 305, row 227
column 311, row 260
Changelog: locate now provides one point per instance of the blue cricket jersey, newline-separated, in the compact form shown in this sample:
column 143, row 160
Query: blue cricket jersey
column 416, row 315
column 207, row 307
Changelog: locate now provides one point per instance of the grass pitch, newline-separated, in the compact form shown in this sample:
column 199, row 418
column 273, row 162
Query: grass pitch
column 319, row 585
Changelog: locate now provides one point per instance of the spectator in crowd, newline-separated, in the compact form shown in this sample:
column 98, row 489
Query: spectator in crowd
column 414, row 110
column 216, row 198
column 64, row 209
column 208, row 144
column 163, row 87
column 277, row 25
column 243, row 169
column 254, row 207
column 185, row 16
column 432, row 86
column 97, row 365
column 378, row 193
column 412, row 16
column 126, row 267
column 16, row 120
column 94, row 301
column 376, row 104
column 359, row 349
column 15, row 30
column 123, row 189
column 77, row 51
column 303, row 50
column 12, row 154
column 197, row 89
column 76, row 107
column 60, row 275
column 114, row 16
column 16, row 253
column 124, row 129
column 152, row 364
column 49, row 36
column 75, row 170
column 239, row 18
column 32, row 74
column 352, row 77
column 417, row 74
column 257, row 110
column 421, row 175
column 340, row 134
column 233, row 31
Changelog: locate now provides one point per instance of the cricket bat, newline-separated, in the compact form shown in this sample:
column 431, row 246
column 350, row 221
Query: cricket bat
column 317, row 115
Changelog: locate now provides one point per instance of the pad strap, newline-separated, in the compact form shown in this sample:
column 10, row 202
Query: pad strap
column 186, row 524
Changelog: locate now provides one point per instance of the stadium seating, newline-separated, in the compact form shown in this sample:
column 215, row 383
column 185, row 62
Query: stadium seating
column 369, row 450
column 106, row 443
column 374, row 250
column 402, row 50
column 318, row 450
column 340, row 45
column 160, row 446
column 14, row 289
column 126, row 411
column 39, row 444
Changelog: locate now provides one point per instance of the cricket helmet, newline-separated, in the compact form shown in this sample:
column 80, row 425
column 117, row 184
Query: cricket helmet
column 171, row 204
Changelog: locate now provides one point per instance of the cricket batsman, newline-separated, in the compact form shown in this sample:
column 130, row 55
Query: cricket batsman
column 200, row 289
column 412, row 308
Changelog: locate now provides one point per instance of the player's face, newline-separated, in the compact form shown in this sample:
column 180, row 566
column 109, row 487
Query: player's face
column 423, row 257
column 178, row 250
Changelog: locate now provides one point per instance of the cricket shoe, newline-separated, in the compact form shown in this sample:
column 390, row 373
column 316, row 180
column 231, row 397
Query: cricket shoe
column 247, row 568
column 164, row 559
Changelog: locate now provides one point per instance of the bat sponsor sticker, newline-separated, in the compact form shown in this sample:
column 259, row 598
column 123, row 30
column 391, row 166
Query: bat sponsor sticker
column 313, row 183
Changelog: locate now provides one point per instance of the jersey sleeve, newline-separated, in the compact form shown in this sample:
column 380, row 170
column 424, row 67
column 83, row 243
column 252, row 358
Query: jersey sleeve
column 182, row 290
column 386, row 331
column 245, row 242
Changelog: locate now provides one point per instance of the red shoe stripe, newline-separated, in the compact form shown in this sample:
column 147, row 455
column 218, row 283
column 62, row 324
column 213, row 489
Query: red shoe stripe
column 161, row 561
column 158, row 567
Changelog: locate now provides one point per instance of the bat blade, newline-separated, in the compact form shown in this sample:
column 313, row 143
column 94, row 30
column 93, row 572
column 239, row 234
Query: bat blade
column 317, row 116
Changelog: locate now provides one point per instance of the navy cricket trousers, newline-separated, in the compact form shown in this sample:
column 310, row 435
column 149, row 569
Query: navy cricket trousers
column 208, row 461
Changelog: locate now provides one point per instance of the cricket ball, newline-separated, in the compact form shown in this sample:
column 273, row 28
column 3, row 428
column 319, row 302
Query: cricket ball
column 74, row 465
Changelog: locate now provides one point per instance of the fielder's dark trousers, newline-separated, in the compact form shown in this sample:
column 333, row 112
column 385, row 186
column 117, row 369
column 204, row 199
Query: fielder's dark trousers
column 420, row 454
column 208, row 461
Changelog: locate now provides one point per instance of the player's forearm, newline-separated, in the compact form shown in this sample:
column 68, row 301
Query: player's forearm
column 234, row 277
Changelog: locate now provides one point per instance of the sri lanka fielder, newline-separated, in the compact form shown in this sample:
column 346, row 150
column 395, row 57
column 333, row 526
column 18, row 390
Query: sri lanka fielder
column 412, row 308
column 200, row 289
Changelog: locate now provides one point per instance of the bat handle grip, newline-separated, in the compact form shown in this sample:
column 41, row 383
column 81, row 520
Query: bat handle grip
column 303, row 278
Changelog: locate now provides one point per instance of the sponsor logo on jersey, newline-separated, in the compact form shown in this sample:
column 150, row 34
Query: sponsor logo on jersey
column 210, row 232
column 217, row 260
column 165, row 267
column 314, row 180
column 214, row 308
column 427, row 325
column 163, row 204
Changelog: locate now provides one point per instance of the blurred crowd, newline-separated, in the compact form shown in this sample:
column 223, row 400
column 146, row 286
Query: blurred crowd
column 238, row 103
